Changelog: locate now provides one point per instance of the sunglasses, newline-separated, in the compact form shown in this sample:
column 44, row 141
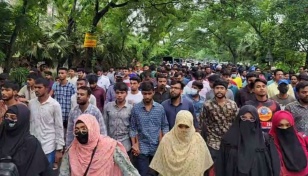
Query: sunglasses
column 244, row 118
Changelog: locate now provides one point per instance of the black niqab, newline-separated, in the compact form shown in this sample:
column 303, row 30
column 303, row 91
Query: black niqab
column 243, row 151
column 293, row 155
column 18, row 143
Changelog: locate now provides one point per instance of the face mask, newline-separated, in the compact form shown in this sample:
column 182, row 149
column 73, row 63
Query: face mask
column 283, row 90
column 233, row 76
column 193, row 91
column 82, row 137
column 10, row 123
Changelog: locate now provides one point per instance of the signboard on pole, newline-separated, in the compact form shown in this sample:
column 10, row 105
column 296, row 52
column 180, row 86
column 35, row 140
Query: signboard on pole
column 90, row 40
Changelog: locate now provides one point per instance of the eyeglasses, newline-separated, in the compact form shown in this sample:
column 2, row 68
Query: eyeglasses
column 244, row 118
column 82, row 131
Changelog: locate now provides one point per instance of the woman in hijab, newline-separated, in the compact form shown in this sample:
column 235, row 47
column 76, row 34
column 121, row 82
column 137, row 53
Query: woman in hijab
column 290, row 144
column 182, row 151
column 17, row 142
column 92, row 154
column 245, row 151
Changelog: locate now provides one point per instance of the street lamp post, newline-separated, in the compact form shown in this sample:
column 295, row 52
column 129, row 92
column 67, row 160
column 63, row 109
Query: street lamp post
column 269, row 57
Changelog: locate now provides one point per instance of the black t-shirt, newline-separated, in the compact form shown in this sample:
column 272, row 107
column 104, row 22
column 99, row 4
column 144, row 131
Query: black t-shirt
column 266, row 110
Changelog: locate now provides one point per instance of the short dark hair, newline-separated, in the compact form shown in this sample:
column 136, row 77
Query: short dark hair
column 251, row 75
column 258, row 80
column 178, row 82
column 11, row 85
column 277, row 70
column 82, row 79
column 221, row 82
column 178, row 74
column 81, row 70
column 135, row 78
column 147, row 86
column 226, row 73
column 92, row 79
column 234, row 69
column 198, row 74
column 301, row 85
column 73, row 68
column 48, row 73
column 213, row 78
column 120, row 86
column 32, row 76
column 161, row 76
column 198, row 84
column 86, row 88
column 43, row 81
column 63, row 68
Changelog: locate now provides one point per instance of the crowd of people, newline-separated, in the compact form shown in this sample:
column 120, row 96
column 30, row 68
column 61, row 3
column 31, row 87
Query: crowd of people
column 224, row 120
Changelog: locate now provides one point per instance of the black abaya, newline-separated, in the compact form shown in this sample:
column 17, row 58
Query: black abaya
column 244, row 152
column 18, row 143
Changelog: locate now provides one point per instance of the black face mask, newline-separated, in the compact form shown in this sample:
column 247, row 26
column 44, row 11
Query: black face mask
column 293, row 155
column 9, row 124
column 283, row 90
column 82, row 137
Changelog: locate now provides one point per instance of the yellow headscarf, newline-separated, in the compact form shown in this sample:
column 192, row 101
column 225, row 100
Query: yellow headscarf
column 182, row 152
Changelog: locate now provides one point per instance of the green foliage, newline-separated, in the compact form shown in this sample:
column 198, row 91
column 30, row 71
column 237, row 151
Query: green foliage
column 19, row 75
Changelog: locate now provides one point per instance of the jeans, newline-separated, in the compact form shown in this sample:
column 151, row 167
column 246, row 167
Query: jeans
column 51, row 158
column 142, row 163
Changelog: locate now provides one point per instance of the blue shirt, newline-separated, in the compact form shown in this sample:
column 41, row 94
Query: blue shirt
column 234, row 89
column 198, row 105
column 171, row 111
column 147, row 126
column 63, row 94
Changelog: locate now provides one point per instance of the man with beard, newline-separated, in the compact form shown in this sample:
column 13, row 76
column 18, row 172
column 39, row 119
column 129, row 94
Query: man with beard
column 265, row 106
column 217, row 116
column 299, row 108
column 148, row 124
column 162, row 93
column 80, row 83
column 9, row 92
column 246, row 93
column 83, row 96
column 283, row 98
column 46, row 121
column 177, row 103
column 63, row 92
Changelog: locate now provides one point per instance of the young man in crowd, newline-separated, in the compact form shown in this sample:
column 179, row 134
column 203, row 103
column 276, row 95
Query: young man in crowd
column 80, row 83
column 148, row 125
column 299, row 109
column 283, row 98
column 246, row 93
column 62, row 93
column 84, row 107
column 176, row 103
column 162, row 93
column 27, row 92
column 211, row 93
column 196, row 99
column 72, row 78
column 214, row 119
column 273, row 88
column 46, row 121
column 134, row 96
column 117, row 116
column 98, row 92
column 265, row 106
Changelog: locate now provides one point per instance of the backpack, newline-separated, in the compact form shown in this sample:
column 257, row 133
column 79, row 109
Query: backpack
column 7, row 167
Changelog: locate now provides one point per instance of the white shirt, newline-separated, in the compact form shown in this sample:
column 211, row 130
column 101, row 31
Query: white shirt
column 92, row 100
column 27, row 92
column 134, row 98
column 46, row 124
column 103, row 82
column 73, row 80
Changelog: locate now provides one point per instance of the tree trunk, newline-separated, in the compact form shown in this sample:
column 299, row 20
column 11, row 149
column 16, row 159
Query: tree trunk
column 9, row 51
column 306, row 61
